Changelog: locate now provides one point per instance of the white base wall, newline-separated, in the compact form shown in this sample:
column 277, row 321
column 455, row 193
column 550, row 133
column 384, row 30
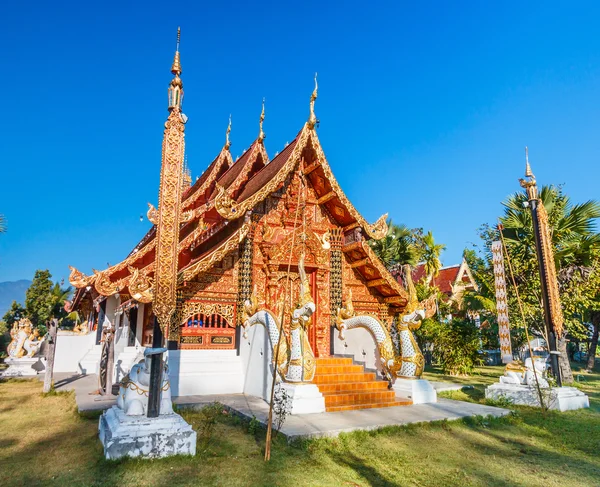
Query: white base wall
column 256, row 356
column 199, row 372
column 71, row 349
column 359, row 343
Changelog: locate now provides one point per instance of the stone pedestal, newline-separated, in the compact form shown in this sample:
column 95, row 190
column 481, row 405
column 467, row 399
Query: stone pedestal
column 559, row 398
column 420, row 391
column 21, row 367
column 139, row 436
column 305, row 398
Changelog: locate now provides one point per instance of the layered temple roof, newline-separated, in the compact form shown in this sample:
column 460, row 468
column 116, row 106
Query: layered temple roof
column 215, row 218
column 449, row 281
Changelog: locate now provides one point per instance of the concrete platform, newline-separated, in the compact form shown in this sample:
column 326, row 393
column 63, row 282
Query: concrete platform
column 332, row 424
column 302, row 426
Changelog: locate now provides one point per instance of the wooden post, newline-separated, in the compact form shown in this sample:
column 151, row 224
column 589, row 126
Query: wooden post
column 156, row 373
column 50, row 357
column 110, row 343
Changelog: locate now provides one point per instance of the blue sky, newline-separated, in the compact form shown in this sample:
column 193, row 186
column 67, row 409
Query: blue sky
column 425, row 108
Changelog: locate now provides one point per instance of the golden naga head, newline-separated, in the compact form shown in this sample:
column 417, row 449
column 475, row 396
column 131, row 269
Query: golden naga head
column 305, row 292
column 424, row 309
column 346, row 312
column 79, row 279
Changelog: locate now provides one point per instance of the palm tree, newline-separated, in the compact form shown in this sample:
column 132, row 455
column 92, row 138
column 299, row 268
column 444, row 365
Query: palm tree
column 2, row 224
column 576, row 249
column 431, row 256
column 397, row 247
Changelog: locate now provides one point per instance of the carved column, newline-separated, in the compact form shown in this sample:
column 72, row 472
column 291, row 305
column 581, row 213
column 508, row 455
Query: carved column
column 245, row 273
column 335, row 280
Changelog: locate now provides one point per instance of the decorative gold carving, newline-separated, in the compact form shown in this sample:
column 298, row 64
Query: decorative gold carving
column 312, row 118
column 190, row 308
column 140, row 285
column 79, row 280
column 169, row 215
column 225, row 205
column 152, row 214
column 261, row 134
column 556, row 314
column 217, row 255
column 105, row 286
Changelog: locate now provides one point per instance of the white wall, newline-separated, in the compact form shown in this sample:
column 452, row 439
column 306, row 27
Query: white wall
column 255, row 354
column 200, row 372
column 140, row 325
column 70, row 349
column 361, row 344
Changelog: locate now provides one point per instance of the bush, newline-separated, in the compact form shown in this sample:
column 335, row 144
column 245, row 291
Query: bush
column 455, row 344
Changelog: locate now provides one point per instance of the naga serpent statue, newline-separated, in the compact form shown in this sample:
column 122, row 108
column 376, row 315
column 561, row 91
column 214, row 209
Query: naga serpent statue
column 410, row 362
column 295, row 361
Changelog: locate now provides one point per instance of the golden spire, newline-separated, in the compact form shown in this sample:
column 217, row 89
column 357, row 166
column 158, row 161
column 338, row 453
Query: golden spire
column 176, row 68
column 312, row 119
column 227, row 143
column 261, row 134
column 528, row 173
column 529, row 184
column 176, row 86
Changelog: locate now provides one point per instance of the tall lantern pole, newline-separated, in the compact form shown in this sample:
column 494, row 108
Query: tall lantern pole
column 167, row 232
column 553, row 316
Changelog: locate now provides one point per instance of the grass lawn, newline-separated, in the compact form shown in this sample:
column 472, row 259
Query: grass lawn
column 44, row 441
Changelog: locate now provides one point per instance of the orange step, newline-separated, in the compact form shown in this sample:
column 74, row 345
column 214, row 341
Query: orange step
column 346, row 386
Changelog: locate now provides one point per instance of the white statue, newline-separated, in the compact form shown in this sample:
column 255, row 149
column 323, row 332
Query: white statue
column 135, row 386
column 25, row 341
column 518, row 374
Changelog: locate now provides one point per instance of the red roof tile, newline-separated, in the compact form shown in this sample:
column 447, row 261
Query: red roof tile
column 268, row 172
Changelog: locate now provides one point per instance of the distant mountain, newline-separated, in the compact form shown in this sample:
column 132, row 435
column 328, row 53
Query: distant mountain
column 12, row 291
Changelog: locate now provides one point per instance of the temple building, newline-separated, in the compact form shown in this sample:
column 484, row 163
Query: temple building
column 452, row 280
column 244, row 228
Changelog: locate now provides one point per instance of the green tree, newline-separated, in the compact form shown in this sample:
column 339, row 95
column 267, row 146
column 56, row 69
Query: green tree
column 397, row 247
column 44, row 300
column 430, row 255
column 15, row 313
column 38, row 298
column 576, row 247
column 2, row 224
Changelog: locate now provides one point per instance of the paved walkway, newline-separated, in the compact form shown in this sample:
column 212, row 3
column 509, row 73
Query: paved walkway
column 307, row 425
column 332, row 424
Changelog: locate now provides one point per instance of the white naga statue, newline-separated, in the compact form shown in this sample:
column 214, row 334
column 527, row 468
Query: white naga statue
column 25, row 341
column 295, row 360
column 519, row 374
column 133, row 392
column 409, row 363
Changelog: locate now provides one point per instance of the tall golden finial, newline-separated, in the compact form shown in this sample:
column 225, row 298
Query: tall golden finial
column 528, row 173
column 261, row 134
column 530, row 184
column 176, row 86
column 312, row 119
column 227, row 143
column 176, row 68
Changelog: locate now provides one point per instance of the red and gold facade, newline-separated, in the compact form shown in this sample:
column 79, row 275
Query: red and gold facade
column 241, row 229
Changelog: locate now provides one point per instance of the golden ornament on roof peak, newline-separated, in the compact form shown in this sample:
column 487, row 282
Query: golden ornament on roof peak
column 227, row 143
column 176, row 68
column 261, row 134
column 176, row 86
column 529, row 184
column 312, row 119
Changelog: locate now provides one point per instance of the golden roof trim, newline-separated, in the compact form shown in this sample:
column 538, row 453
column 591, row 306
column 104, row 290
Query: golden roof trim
column 377, row 230
column 385, row 274
column 215, row 256
column 224, row 156
column 226, row 204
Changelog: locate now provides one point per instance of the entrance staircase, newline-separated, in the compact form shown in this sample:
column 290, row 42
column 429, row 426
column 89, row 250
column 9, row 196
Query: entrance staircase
column 346, row 386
